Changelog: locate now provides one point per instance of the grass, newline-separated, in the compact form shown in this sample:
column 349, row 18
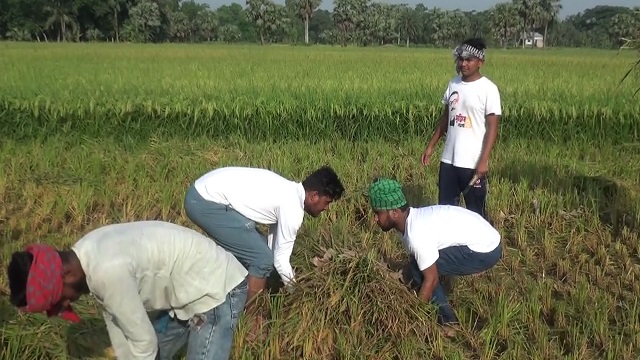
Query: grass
column 565, row 203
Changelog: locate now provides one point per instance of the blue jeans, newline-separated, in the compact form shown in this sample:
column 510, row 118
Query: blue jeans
column 232, row 231
column 209, row 336
column 455, row 260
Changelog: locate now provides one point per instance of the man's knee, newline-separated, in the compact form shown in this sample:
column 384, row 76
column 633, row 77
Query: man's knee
column 261, row 265
column 191, row 201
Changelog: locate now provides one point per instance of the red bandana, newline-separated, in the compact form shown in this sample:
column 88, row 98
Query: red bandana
column 44, row 284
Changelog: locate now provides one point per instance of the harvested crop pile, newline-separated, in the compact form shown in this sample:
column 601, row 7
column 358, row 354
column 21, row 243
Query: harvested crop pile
column 352, row 306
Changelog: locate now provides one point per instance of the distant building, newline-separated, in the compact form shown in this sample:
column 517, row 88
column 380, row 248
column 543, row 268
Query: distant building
column 533, row 39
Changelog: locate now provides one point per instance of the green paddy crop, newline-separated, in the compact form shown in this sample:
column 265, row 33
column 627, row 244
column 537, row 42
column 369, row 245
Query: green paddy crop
column 102, row 133
column 301, row 93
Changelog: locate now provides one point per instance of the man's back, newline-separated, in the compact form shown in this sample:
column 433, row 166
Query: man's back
column 447, row 225
column 172, row 266
column 256, row 193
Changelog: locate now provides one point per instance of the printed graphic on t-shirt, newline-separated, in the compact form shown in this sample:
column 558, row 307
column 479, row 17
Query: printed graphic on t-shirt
column 454, row 99
column 458, row 120
column 467, row 122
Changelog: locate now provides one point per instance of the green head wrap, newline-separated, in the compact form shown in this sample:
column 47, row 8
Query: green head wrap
column 386, row 194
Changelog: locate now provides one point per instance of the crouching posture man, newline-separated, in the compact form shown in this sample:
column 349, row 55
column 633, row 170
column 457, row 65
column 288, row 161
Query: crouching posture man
column 442, row 239
column 227, row 203
column 134, row 268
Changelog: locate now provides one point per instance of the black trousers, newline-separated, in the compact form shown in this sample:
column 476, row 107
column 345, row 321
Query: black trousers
column 453, row 180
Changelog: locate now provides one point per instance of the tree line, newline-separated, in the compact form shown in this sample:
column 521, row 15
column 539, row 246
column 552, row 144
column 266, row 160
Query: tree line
column 351, row 22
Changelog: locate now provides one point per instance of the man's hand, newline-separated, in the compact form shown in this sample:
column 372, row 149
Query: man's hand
column 257, row 331
column 426, row 155
column 482, row 168
column 290, row 287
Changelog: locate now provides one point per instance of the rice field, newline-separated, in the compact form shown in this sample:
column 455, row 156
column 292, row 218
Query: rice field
column 101, row 133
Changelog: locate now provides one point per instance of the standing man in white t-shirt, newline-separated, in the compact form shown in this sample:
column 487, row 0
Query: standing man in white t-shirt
column 441, row 239
column 470, row 118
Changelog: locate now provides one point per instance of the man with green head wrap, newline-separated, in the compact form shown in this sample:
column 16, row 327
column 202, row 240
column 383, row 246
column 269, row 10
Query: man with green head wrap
column 442, row 240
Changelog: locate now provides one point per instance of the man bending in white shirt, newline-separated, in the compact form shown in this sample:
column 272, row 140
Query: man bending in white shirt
column 227, row 203
column 442, row 240
column 470, row 118
column 135, row 268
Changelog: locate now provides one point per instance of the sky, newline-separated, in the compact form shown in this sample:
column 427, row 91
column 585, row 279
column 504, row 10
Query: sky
column 570, row 7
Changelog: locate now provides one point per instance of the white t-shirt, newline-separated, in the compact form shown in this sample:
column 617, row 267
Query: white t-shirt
column 431, row 228
column 469, row 103
column 264, row 197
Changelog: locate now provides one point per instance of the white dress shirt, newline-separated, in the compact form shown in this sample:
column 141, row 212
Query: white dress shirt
column 264, row 197
column 138, row 267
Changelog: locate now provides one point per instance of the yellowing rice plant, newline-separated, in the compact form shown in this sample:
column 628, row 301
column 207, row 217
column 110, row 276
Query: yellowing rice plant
column 95, row 134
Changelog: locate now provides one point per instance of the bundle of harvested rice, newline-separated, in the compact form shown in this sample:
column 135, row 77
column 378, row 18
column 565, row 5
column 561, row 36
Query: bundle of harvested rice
column 350, row 300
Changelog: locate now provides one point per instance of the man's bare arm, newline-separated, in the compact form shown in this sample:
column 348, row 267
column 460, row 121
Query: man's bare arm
column 441, row 130
column 488, row 142
column 429, row 283
column 490, row 136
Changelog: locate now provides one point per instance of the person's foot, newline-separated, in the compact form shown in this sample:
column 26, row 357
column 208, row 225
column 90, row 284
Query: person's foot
column 449, row 330
column 448, row 327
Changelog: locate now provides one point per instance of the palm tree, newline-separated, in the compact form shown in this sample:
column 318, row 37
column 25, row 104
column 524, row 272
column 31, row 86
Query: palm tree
column 504, row 22
column 622, row 26
column 409, row 22
column 115, row 6
column 530, row 12
column 62, row 13
column 207, row 23
column 550, row 10
column 305, row 9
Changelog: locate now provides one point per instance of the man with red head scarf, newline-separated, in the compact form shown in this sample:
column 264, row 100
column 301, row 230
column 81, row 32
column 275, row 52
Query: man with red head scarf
column 44, row 285
column 133, row 269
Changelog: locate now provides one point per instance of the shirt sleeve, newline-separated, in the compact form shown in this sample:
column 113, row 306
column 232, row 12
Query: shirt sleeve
column 493, row 102
column 128, row 324
column 445, row 96
column 286, row 230
column 423, row 247
column 118, row 341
